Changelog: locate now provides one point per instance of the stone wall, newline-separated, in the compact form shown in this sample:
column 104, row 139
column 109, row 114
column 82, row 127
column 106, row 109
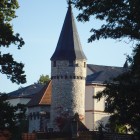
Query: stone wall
column 36, row 120
column 68, row 89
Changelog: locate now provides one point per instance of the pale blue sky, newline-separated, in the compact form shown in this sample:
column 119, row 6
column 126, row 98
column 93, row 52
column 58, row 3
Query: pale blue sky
column 39, row 22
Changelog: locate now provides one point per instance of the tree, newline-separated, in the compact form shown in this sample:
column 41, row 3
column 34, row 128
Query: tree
column 120, row 19
column 11, row 117
column 123, row 98
column 8, row 65
column 43, row 79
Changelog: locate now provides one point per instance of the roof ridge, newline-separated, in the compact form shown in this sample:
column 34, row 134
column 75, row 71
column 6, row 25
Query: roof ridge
column 104, row 65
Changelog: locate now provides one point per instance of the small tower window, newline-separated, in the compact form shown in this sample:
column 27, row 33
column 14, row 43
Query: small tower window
column 76, row 65
column 66, row 76
column 84, row 64
column 70, row 63
column 54, row 63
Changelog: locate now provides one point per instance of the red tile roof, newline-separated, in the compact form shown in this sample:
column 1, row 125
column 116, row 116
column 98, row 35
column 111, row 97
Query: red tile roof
column 43, row 97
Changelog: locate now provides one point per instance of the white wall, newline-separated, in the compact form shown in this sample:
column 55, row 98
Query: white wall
column 15, row 101
column 100, row 117
column 99, row 105
column 89, row 118
column 94, row 110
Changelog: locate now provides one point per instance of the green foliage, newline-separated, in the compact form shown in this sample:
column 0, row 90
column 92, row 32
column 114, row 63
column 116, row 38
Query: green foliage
column 117, row 128
column 44, row 79
column 12, row 117
column 121, row 17
column 8, row 66
column 123, row 97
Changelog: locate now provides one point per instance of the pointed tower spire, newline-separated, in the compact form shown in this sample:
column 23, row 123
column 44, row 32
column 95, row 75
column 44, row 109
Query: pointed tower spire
column 68, row 46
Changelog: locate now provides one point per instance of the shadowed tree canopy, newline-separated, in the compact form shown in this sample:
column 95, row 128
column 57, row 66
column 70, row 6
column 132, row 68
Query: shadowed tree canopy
column 123, row 97
column 8, row 65
column 120, row 19
column 10, row 116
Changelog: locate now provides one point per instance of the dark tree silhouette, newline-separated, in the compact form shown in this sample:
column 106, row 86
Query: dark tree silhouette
column 120, row 19
column 8, row 65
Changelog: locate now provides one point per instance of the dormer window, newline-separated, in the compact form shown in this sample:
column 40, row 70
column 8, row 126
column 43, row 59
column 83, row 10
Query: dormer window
column 54, row 63
column 70, row 63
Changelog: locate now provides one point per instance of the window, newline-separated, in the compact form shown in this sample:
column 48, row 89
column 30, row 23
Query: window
column 70, row 63
column 106, row 105
column 66, row 76
column 37, row 115
column 84, row 64
column 31, row 116
column 34, row 115
column 76, row 65
column 47, row 115
column 54, row 63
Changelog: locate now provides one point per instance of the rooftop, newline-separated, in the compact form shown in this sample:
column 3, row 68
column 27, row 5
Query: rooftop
column 99, row 74
column 68, row 46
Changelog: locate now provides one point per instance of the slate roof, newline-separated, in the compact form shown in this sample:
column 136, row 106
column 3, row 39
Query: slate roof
column 28, row 91
column 68, row 46
column 43, row 97
column 100, row 73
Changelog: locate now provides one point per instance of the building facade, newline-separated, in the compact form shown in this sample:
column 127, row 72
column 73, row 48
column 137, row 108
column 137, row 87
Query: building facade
column 72, row 87
column 95, row 82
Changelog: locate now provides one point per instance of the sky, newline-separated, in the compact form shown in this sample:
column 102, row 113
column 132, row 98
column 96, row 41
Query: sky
column 39, row 22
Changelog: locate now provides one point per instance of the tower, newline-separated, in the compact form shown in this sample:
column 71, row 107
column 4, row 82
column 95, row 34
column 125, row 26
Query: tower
column 68, row 72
